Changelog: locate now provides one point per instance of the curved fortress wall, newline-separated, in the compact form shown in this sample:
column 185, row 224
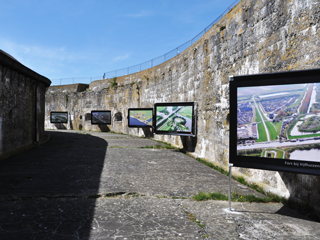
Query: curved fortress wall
column 254, row 37
column 22, row 104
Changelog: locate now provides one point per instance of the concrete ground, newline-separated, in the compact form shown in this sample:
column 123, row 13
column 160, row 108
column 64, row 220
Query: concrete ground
column 93, row 185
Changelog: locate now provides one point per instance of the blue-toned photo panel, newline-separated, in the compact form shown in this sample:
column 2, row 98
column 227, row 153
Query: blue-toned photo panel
column 101, row 117
column 140, row 117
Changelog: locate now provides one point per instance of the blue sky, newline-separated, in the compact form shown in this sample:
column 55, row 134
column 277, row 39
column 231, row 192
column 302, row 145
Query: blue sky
column 85, row 38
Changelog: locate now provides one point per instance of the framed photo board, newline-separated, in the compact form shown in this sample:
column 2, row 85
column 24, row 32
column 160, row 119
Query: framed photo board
column 101, row 117
column 58, row 117
column 175, row 118
column 140, row 117
column 275, row 121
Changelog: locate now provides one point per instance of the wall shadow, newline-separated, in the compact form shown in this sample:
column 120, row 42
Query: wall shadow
column 104, row 128
column 60, row 126
column 301, row 187
column 71, row 125
column 287, row 211
column 148, row 133
column 189, row 143
column 57, row 182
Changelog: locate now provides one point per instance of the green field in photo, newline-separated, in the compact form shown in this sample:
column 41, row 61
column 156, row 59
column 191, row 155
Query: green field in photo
column 264, row 117
column 258, row 118
column 272, row 131
column 278, row 126
column 262, row 133
column 161, row 108
column 280, row 154
column 187, row 112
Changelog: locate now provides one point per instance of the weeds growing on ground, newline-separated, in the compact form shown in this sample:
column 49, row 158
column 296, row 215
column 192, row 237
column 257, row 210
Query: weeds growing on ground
column 161, row 196
column 193, row 218
column 302, row 207
column 236, row 197
column 158, row 146
column 116, row 132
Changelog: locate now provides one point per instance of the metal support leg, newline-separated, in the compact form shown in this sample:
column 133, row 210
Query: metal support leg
column 153, row 141
column 230, row 167
column 128, row 131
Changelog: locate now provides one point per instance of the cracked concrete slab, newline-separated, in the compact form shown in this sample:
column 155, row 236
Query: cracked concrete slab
column 132, row 218
column 62, row 190
column 85, row 164
column 252, row 221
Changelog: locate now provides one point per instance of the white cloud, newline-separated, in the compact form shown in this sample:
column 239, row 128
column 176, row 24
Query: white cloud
column 43, row 60
column 23, row 52
column 119, row 58
column 59, row 62
column 139, row 15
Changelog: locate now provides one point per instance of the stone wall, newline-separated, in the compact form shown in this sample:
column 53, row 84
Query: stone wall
column 78, row 87
column 22, row 104
column 254, row 37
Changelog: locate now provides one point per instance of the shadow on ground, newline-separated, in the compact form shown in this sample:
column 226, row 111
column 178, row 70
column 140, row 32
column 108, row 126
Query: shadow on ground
column 62, row 190
column 69, row 167
column 60, row 126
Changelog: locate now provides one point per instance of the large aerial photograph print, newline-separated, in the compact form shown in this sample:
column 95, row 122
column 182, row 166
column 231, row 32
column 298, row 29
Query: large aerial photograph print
column 279, row 121
column 59, row 117
column 140, row 118
column 100, row 117
column 174, row 118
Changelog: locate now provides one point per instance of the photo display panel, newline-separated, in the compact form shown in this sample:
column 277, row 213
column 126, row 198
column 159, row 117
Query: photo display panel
column 140, row 117
column 58, row 117
column 275, row 121
column 101, row 117
column 176, row 118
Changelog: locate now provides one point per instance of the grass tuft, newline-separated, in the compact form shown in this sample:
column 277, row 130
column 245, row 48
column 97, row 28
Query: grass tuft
column 167, row 145
column 193, row 218
column 236, row 197
column 209, row 164
column 161, row 196
column 201, row 196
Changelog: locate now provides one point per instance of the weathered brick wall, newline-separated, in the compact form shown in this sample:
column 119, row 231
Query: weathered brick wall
column 22, row 104
column 254, row 37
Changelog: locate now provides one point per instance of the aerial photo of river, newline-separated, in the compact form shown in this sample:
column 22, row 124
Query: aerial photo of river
column 306, row 155
column 134, row 121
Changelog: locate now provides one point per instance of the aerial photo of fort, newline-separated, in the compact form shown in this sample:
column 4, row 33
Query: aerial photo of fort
column 280, row 121
column 141, row 117
column 175, row 118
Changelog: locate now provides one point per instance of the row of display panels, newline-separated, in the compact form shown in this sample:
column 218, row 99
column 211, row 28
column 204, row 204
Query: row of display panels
column 275, row 121
column 166, row 118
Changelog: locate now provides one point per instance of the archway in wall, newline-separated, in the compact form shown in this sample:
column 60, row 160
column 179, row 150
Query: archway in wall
column 118, row 117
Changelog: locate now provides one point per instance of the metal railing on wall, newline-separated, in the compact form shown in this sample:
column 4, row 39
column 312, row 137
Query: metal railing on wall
column 148, row 64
